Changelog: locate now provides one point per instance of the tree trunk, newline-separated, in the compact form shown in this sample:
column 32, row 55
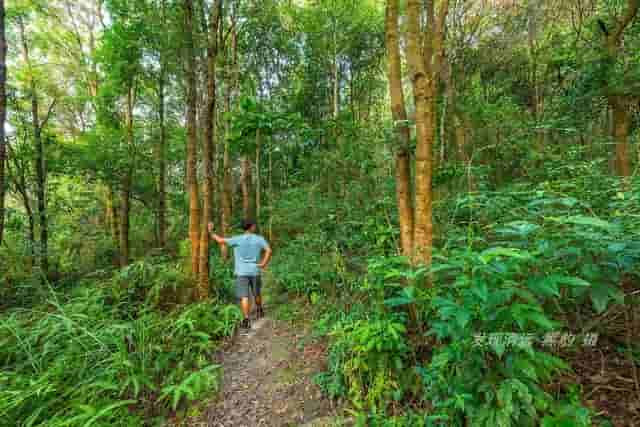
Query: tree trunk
column 32, row 235
column 39, row 161
column 123, row 234
column 425, row 134
column 21, row 187
column 533, row 9
column 270, row 196
column 461, row 138
column 192, row 141
column 127, row 178
column 425, row 64
column 258, row 184
column 621, row 127
column 112, row 217
column 162, row 171
column 336, row 88
column 443, row 131
column 32, row 225
column 161, row 150
column 227, row 190
column 41, row 199
column 399, row 114
column 3, row 115
column 618, row 103
column 245, row 180
column 227, row 194
column 208, row 152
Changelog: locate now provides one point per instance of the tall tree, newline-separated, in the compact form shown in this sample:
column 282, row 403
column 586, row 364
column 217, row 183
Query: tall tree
column 162, row 142
column 258, row 194
column 245, row 184
column 3, row 114
column 121, row 54
column 209, row 146
column 232, row 77
column 425, row 52
column 112, row 213
column 192, row 138
column 39, row 162
column 127, row 176
column 399, row 115
column 618, row 101
column 18, row 172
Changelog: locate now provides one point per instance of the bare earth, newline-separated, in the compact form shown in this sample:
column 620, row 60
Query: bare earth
column 268, row 381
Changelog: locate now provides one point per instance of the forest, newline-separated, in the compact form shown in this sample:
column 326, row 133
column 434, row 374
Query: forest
column 450, row 189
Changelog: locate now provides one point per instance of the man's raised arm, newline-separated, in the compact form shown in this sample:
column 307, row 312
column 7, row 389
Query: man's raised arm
column 220, row 240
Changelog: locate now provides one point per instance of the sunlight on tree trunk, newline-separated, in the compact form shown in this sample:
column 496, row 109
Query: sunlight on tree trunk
column 232, row 76
column 399, row 115
column 208, row 152
column 424, row 63
column 192, row 140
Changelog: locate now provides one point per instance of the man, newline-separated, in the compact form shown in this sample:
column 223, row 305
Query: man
column 247, row 251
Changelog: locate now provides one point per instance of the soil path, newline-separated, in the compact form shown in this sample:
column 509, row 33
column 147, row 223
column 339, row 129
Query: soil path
column 268, row 380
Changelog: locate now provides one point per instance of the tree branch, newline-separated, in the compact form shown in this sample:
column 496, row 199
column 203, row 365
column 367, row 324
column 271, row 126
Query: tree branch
column 632, row 12
column 49, row 113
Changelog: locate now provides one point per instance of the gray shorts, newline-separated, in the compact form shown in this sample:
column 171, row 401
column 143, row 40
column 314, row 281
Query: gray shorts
column 244, row 284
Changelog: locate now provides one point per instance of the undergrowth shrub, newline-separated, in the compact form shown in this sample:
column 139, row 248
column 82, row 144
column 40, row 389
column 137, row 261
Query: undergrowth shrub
column 104, row 355
column 524, row 261
column 491, row 381
column 373, row 359
column 300, row 271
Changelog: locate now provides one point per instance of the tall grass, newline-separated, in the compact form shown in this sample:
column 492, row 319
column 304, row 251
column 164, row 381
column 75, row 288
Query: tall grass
column 104, row 354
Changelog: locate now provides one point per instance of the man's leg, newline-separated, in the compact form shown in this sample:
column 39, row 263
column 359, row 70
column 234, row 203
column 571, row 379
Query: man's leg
column 257, row 291
column 242, row 293
column 245, row 306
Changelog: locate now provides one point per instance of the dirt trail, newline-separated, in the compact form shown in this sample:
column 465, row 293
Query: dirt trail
column 268, row 380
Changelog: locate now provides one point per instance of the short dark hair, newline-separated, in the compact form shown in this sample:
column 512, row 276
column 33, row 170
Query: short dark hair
column 247, row 224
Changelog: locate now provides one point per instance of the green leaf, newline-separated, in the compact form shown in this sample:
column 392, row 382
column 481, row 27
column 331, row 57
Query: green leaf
column 481, row 291
column 602, row 293
column 541, row 320
column 573, row 281
column 545, row 286
column 108, row 409
column 519, row 228
column 492, row 253
column 398, row 301
column 589, row 221
column 463, row 317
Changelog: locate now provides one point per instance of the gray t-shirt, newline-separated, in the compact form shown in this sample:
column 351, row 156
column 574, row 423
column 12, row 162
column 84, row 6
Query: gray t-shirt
column 247, row 249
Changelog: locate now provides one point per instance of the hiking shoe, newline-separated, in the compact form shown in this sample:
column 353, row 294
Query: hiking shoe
column 260, row 313
column 245, row 324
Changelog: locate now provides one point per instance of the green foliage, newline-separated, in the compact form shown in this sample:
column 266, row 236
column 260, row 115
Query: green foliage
column 105, row 355
column 479, row 293
column 528, row 259
column 373, row 354
column 531, row 234
column 152, row 282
